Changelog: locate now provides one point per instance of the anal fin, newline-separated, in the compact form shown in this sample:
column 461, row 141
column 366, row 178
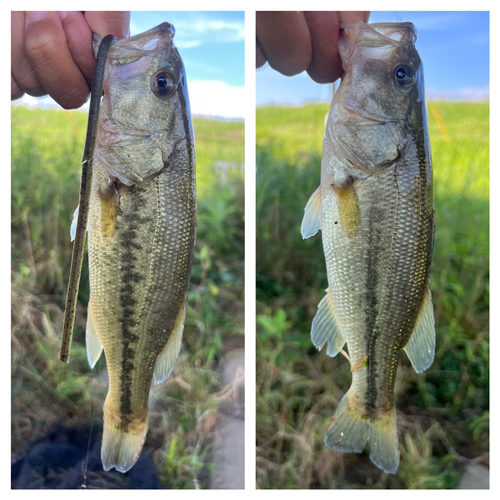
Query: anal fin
column 311, row 222
column 94, row 345
column 168, row 356
column 326, row 327
column 422, row 344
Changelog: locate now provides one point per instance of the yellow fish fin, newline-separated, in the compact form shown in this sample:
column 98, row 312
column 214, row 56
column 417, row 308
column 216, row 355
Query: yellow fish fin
column 422, row 344
column 311, row 222
column 166, row 359
column 326, row 327
column 122, row 439
column 110, row 209
column 349, row 431
column 348, row 206
column 94, row 345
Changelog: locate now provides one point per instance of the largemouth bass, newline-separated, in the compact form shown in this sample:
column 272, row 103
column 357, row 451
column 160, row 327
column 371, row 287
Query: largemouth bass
column 375, row 209
column 141, row 231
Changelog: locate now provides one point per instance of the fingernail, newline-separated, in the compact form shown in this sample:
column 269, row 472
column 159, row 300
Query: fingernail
column 62, row 14
column 125, row 32
column 34, row 16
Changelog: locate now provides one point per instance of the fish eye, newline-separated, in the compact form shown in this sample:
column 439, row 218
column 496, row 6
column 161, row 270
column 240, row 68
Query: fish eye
column 403, row 75
column 163, row 84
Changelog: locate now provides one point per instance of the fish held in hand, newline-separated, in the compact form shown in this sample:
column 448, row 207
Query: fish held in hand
column 375, row 209
column 141, row 231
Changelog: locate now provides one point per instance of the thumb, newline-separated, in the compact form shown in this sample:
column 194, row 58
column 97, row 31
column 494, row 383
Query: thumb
column 109, row 23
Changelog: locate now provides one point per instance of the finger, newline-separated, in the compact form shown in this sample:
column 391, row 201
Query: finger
column 49, row 56
column 15, row 90
column 22, row 74
column 79, row 41
column 354, row 17
column 260, row 57
column 326, row 65
column 109, row 23
column 285, row 41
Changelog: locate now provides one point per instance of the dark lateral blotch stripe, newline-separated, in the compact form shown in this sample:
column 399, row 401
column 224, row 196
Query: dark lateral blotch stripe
column 130, row 276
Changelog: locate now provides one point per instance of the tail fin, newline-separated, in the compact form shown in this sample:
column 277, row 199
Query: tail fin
column 122, row 445
column 350, row 430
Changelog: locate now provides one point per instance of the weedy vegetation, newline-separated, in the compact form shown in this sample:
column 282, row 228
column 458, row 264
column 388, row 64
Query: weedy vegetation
column 443, row 413
column 46, row 151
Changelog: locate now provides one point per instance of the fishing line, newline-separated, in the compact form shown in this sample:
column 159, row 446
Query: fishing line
column 86, row 462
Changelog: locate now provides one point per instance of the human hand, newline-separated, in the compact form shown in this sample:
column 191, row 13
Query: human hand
column 296, row 41
column 51, row 52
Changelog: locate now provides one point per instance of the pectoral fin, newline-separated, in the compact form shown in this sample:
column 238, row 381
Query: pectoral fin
column 348, row 206
column 311, row 222
column 94, row 346
column 110, row 209
column 74, row 222
column 326, row 328
column 422, row 344
column 166, row 359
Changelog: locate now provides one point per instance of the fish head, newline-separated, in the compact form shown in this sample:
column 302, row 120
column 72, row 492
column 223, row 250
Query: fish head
column 145, row 114
column 380, row 97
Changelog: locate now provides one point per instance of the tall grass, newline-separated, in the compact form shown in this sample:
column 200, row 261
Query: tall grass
column 46, row 151
column 443, row 414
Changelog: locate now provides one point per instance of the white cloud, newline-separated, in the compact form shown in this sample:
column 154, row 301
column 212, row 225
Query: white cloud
column 216, row 98
column 213, row 98
column 439, row 21
column 192, row 28
column 463, row 94
column 188, row 44
column 201, row 30
column 221, row 31
column 44, row 102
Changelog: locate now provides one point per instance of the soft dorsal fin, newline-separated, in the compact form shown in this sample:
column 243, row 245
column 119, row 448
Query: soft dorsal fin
column 326, row 328
column 422, row 344
column 94, row 345
column 311, row 222
column 166, row 359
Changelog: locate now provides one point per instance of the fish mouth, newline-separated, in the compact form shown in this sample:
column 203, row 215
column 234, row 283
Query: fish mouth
column 379, row 34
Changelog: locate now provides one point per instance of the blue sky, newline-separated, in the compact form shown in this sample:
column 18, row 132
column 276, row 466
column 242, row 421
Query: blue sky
column 454, row 47
column 212, row 46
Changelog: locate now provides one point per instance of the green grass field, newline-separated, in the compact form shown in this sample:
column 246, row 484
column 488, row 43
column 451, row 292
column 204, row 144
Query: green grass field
column 443, row 414
column 46, row 150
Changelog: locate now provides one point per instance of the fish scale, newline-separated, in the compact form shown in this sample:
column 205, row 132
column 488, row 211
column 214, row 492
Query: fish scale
column 375, row 209
column 141, row 232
